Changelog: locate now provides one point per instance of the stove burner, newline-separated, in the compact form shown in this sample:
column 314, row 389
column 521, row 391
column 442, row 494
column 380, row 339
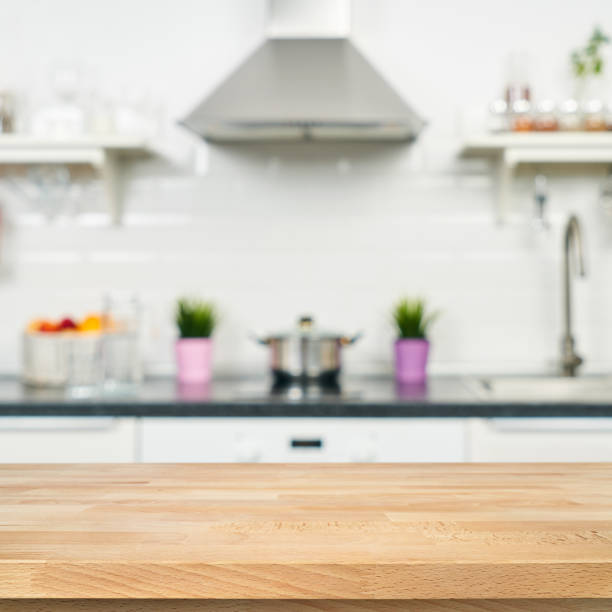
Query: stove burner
column 287, row 385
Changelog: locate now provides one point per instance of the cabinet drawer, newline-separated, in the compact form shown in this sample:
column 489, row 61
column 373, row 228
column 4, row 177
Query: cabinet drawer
column 541, row 439
column 66, row 439
column 296, row 440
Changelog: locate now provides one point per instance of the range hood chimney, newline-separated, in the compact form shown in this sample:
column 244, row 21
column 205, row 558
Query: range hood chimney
column 306, row 81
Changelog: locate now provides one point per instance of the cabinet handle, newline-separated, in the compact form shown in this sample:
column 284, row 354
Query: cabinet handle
column 306, row 443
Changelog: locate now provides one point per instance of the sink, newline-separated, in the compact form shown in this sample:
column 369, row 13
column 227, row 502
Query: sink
column 543, row 388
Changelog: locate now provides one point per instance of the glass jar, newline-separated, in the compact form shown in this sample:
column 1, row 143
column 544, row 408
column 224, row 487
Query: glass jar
column 545, row 119
column 609, row 116
column 498, row 117
column 594, row 119
column 570, row 119
column 522, row 119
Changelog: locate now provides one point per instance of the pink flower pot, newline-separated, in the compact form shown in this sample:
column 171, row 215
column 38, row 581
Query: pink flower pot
column 193, row 360
column 411, row 360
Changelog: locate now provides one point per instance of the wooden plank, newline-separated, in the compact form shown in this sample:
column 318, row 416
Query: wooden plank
column 321, row 605
column 306, row 532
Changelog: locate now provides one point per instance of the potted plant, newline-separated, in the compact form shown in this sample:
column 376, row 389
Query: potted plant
column 196, row 321
column 588, row 65
column 411, row 347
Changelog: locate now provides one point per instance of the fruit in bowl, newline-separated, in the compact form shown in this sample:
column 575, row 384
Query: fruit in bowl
column 91, row 323
column 67, row 324
column 55, row 352
column 40, row 325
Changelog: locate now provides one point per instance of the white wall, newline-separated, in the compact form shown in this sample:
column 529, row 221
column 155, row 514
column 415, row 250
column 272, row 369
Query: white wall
column 270, row 232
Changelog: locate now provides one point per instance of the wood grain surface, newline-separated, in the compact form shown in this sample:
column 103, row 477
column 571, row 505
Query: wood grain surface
column 293, row 605
column 310, row 532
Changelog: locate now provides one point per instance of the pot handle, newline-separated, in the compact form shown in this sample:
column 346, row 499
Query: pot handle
column 347, row 340
column 259, row 339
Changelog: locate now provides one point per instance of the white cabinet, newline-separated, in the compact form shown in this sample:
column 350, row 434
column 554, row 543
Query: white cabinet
column 297, row 439
column 185, row 439
column 67, row 439
column 540, row 439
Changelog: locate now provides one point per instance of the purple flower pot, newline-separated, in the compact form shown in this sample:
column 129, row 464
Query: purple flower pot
column 193, row 360
column 411, row 360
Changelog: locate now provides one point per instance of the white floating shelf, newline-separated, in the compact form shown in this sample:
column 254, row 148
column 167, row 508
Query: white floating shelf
column 104, row 152
column 511, row 149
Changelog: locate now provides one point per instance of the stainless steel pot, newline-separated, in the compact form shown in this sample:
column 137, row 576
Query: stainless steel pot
column 306, row 353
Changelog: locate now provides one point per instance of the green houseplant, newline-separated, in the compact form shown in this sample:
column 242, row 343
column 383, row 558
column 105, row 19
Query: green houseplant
column 589, row 60
column 588, row 64
column 196, row 321
column 412, row 321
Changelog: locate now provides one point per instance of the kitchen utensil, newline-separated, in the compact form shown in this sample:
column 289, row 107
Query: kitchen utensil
column 540, row 195
column 306, row 353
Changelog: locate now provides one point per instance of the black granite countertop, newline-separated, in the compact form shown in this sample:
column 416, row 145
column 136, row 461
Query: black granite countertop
column 244, row 397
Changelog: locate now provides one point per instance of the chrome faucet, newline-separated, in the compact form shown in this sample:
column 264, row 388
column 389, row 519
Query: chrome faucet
column 571, row 238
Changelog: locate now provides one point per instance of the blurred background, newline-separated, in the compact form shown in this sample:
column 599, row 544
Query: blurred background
column 269, row 231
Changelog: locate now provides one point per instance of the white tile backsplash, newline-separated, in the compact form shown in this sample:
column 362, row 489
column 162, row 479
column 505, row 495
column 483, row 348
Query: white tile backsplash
column 340, row 231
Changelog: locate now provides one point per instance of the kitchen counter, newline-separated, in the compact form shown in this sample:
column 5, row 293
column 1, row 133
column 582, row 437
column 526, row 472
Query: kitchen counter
column 244, row 397
column 388, row 535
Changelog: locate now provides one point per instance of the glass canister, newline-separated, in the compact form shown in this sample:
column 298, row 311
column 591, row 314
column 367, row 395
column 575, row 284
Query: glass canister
column 497, row 119
column 545, row 119
column 609, row 116
column 594, row 116
column 570, row 118
column 522, row 119
column 121, row 359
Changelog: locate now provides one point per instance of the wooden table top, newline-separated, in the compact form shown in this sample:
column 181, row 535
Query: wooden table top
column 355, row 531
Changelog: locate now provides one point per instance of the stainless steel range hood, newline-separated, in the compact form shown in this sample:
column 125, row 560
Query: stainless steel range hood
column 304, row 88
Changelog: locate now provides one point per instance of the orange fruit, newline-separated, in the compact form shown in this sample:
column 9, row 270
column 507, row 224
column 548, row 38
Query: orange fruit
column 91, row 323
column 47, row 326
column 34, row 325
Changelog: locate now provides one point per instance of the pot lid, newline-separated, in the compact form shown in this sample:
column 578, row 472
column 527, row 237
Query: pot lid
column 306, row 328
